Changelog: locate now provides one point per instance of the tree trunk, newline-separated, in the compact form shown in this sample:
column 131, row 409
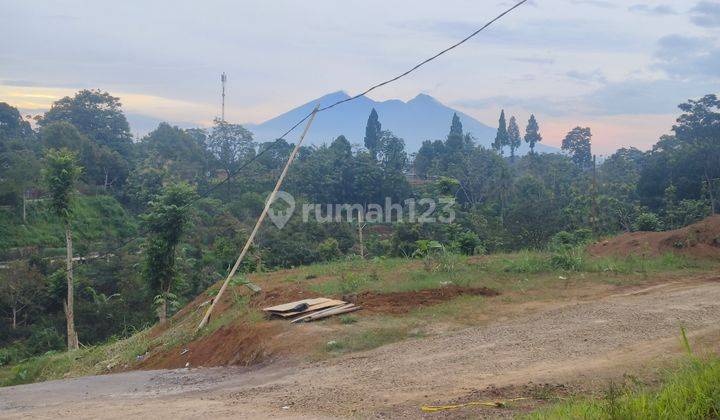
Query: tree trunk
column 14, row 315
column 24, row 206
column 162, row 312
column 72, row 340
column 710, row 193
column 361, row 225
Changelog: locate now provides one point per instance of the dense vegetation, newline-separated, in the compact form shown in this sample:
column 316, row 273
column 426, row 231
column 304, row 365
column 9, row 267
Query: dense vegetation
column 158, row 220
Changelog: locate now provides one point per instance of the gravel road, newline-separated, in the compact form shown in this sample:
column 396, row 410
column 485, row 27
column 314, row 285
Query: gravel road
column 581, row 340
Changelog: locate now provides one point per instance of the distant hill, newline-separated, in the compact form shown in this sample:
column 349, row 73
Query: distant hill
column 421, row 118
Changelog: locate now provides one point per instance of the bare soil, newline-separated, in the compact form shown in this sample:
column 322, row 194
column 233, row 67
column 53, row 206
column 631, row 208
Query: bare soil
column 555, row 349
column 701, row 239
column 403, row 302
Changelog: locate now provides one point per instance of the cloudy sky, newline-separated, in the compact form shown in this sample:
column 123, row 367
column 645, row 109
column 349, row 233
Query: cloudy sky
column 618, row 66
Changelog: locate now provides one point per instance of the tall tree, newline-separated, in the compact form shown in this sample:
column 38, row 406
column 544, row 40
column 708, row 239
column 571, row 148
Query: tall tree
column 513, row 137
column 61, row 173
column 230, row 144
column 698, row 129
column 455, row 140
column 101, row 165
column 427, row 158
column 532, row 133
column 96, row 114
column 373, row 134
column 12, row 125
column 182, row 152
column 501, row 138
column 165, row 221
column 577, row 143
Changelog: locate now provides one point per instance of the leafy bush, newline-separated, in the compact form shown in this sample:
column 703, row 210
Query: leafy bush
column 568, row 260
column 44, row 339
column 564, row 240
column 648, row 222
column 468, row 243
column 329, row 249
column 12, row 354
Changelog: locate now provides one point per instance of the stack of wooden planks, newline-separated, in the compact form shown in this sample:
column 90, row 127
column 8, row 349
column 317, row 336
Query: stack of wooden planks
column 307, row 310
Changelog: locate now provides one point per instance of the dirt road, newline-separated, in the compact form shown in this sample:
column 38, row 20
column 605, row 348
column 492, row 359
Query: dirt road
column 581, row 341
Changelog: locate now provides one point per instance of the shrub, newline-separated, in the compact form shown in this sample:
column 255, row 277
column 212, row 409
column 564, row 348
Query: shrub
column 648, row 222
column 45, row 339
column 468, row 243
column 329, row 249
column 568, row 260
column 562, row 240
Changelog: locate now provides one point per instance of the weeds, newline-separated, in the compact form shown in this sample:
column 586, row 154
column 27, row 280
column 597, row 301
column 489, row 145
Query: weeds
column 691, row 392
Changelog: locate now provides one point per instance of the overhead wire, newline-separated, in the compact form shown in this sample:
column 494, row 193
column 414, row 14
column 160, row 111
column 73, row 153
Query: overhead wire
column 277, row 141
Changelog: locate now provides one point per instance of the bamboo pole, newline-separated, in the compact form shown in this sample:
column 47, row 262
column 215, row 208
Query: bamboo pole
column 269, row 201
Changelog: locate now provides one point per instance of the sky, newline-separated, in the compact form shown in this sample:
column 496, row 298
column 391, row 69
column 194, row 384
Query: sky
column 619, row 67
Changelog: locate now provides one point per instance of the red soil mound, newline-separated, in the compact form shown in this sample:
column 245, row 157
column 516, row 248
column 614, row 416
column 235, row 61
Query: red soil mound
column 701, row 239
column 403, row 302
column 235, row 344
column 248, row 343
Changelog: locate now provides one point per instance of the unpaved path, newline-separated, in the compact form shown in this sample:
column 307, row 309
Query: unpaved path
column 580, row 340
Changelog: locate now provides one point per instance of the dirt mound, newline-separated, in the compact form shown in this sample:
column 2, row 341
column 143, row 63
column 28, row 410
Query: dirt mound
column 403, row 302
column 701, row 239
column 235, row 344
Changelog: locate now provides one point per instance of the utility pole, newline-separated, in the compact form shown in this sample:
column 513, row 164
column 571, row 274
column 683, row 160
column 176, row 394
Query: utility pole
column 594, row 215
column 361, row 226
column 268, row 203
column 223, row 80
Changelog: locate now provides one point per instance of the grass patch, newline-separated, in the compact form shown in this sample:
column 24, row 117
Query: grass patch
column 86, row 361
column 370, row 339
column 95, row 218
column 692, row 392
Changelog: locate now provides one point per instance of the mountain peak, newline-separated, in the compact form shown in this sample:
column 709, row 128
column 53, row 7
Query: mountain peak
column 337, row 96
column 423, row 98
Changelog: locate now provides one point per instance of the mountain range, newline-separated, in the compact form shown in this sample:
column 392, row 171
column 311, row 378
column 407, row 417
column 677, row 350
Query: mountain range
column 421, row 118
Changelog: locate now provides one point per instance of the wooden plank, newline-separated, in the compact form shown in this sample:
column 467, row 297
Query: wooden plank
column 337, row 311
column 305, row 317
column 312, row 308
column 288, row 306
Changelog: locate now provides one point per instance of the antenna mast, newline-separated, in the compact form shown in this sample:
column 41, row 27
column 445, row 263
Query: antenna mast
column 223, row 80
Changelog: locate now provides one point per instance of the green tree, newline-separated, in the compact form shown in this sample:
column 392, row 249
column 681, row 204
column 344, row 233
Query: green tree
column 427, row 158
column 165, row 221
column 577, row 143
column 393, row 160
column 532, row 133
column 501, row 138
column 230, row 144
column 101, row 165
column 96, row 114
column 179, row 151
column 373, row 134
column 698, row 128
column 20, row 284
column 455, row 140
column 61, row 174
column 514, row 139
column 12, row 125
column 18, row 172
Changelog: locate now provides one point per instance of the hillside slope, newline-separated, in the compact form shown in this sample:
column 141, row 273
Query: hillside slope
column 701, row 239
